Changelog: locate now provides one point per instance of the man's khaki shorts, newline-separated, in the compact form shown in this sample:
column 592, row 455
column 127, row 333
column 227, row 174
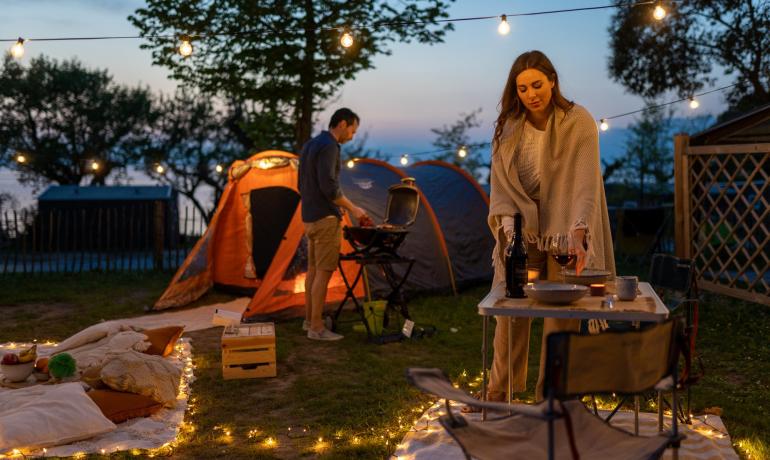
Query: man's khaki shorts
column 323, row 243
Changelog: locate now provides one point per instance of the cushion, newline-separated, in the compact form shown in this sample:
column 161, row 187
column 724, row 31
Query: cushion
column 162, row 339
column 143, row 374
column 93, row 377
column 47, row 415
column 119, row 406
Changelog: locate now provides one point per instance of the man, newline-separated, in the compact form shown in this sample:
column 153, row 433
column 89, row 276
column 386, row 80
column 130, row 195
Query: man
column 319, row 170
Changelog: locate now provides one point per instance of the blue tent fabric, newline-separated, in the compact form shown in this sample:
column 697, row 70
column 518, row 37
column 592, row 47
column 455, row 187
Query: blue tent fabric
column 462, row 214
column 367, row 186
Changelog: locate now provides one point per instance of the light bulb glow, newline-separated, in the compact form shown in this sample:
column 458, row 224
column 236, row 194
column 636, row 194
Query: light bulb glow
column 219, row 169
column 462, row 152
column 17, row 50
column 503, row 28
column 20, row 158
column 659, row 12
column 159, row 169
column 185, row 48
column 351, row 163
column 603, row 125
column 95, row 165
column 404, row 160
column 694, row 104
column 346, row 40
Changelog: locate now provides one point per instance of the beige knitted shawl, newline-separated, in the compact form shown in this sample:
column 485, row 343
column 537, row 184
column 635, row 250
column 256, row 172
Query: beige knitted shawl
column 571, row 186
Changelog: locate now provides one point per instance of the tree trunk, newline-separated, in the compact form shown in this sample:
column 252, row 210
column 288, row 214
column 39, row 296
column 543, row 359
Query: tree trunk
column 304, row 109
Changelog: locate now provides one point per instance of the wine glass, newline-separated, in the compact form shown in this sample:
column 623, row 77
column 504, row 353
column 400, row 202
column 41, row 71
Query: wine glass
column 562, row 251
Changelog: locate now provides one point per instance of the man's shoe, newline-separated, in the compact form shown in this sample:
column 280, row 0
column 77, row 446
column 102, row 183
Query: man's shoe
column 305, row 325
column 325, row 334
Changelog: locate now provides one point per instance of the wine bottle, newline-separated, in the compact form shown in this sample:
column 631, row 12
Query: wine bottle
column 516, row 262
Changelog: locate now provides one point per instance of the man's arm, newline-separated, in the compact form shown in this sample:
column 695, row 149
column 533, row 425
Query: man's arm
column 326, row 173
column 344, row 202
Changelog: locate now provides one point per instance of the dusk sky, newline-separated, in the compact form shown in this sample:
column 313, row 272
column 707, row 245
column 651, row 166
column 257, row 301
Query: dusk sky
column 417, row 88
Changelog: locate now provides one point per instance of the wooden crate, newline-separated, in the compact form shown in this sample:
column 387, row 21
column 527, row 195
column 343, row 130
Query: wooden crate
column 248, row 351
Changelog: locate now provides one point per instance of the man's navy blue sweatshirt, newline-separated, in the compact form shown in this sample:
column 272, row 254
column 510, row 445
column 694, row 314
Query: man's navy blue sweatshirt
column 318, row 181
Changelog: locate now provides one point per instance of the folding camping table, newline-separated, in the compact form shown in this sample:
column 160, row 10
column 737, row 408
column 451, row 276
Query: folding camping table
column 396, row 299
column 646, row 307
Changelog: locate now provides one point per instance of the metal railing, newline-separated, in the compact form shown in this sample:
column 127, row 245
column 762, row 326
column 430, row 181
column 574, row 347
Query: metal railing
column 125, row 238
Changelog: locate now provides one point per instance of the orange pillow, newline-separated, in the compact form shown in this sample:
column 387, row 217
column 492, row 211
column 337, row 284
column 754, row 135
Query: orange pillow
column 162, row 339
column 119, row 406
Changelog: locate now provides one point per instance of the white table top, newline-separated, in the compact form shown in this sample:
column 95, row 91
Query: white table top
column 496, row 304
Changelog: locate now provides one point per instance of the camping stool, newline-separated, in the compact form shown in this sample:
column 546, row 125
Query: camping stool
column 248, row 351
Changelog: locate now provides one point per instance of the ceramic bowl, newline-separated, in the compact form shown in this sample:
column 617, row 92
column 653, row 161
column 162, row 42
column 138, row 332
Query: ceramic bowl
column 555, row 293
column 587, row 276
column 17, row 372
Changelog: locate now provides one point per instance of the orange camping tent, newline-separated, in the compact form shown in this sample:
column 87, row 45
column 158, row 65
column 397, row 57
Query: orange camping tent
column 254, row 241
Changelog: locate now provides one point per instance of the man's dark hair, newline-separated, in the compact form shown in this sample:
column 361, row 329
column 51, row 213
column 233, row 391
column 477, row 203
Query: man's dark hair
column 343, row 114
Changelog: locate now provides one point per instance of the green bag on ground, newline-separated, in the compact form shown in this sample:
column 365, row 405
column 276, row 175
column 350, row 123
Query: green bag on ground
column 374, row 311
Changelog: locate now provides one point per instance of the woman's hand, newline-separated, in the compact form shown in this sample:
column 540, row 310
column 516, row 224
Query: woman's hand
column 578, row 238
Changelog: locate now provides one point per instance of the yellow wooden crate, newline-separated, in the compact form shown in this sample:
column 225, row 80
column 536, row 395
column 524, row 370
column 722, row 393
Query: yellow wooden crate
column 248, row 351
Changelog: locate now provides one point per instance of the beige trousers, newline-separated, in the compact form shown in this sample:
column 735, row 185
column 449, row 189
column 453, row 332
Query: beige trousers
column 498, row 380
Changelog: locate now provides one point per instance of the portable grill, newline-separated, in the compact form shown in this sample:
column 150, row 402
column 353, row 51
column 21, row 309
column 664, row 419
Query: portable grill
column 401, row 212
column 378, row 246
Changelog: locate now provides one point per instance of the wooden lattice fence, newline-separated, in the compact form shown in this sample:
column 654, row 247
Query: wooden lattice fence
column 722, row 223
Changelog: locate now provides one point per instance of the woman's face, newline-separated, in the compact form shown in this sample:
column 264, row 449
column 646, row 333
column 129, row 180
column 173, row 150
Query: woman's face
column 534, row 90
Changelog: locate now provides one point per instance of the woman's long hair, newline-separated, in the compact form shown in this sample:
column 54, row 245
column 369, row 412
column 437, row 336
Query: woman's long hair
column 510, row 104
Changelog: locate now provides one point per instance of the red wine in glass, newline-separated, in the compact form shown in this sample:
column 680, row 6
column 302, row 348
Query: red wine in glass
column 564, row 259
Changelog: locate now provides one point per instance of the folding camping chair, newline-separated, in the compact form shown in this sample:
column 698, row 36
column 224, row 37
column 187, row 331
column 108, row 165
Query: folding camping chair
column 561, row 427
column 674, row 280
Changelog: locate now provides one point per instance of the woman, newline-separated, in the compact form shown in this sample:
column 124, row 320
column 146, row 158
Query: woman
column 545, row 165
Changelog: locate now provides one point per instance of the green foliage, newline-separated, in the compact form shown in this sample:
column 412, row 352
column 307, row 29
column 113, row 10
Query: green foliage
column 281, row 58
column 647, row 164
column 679, row 53
column 62, row 116
column 190, row 138
column 452, row 138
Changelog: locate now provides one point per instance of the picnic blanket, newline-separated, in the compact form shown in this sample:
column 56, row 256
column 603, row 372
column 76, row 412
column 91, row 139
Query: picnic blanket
column 707, row 437
column 155, row 432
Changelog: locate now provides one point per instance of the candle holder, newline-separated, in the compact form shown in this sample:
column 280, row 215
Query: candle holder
column 598, row 289
column 533, row 275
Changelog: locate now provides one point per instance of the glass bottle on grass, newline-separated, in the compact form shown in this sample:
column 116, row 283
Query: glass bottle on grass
column 562, row 251
column 516, row 262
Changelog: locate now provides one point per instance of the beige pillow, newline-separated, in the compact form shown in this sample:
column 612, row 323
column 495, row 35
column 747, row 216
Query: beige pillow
column 48, row 415
column 142, row 374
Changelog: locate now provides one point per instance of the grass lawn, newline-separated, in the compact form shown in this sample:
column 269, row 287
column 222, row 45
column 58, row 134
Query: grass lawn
column 352, row 394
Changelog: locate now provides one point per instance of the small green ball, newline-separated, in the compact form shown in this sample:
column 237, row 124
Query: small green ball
column 62, row 365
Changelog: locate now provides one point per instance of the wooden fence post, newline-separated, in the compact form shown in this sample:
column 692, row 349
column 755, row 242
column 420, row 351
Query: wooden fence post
column 158, row 235
column 682, row 217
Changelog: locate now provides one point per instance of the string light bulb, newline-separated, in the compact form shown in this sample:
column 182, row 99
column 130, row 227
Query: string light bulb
column 346, row 40
column 694, row 104
column 351, row 163
column 95, row 165
column 404, row 160
column 17, row 50
column 219, row 168
column 159, row 169
column 21, row 159
column 503, row 28
column 462, row 152
column 185, row 47
column 603, row 125
column 659, row 12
